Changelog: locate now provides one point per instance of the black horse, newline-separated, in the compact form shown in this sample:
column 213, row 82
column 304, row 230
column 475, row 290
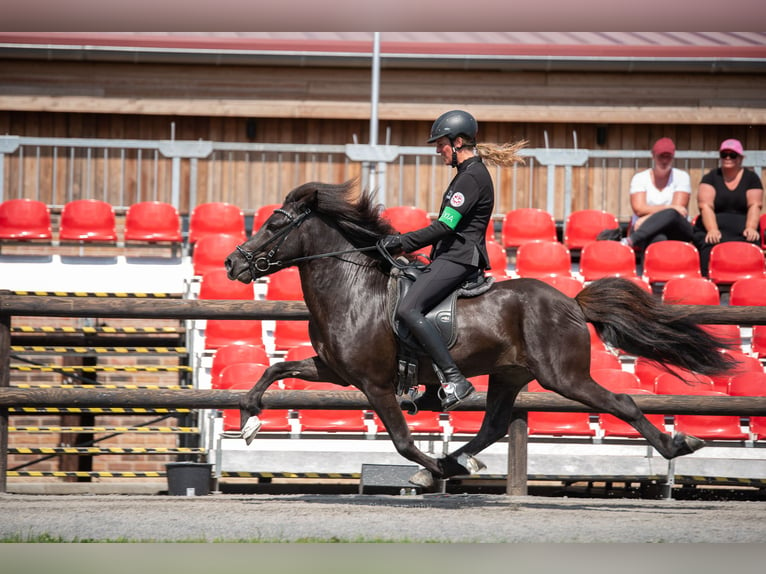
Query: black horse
column 519, row 330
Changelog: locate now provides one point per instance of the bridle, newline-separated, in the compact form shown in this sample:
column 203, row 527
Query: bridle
column 264, row 263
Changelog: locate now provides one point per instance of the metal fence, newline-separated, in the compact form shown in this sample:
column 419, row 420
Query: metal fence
column 187, row 173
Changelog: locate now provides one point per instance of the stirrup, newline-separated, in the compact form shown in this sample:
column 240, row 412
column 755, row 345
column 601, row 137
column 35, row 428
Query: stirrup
column 451, row 396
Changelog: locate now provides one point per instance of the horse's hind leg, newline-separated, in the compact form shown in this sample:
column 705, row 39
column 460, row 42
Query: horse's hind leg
column 311, row 369
column 501, row 394
column 585, row 390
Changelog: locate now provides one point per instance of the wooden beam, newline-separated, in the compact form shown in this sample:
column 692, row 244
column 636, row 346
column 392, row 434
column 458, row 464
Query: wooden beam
column 350, row 400
column 349, row 110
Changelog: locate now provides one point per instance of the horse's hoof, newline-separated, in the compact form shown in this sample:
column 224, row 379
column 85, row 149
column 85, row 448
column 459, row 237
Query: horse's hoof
column 470, row 463
column 687, row 444
column 693, row 443
column 423, row 478
column 251, row 428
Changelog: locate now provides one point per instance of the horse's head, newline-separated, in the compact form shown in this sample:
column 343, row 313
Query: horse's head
column 352, row 220
column 272, row 247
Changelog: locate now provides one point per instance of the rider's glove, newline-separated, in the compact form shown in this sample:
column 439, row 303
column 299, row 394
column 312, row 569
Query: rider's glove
column 392, row 243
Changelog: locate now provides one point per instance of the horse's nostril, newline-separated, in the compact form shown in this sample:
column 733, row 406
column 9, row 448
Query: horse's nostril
column 227, row 264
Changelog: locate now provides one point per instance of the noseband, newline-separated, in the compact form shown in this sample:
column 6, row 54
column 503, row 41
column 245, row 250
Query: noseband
column 262, row 264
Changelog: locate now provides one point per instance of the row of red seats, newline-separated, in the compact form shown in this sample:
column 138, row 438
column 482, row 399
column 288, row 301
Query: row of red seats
column 662, row 261
column 239, row 366
column 95, row 220
column 710, row 427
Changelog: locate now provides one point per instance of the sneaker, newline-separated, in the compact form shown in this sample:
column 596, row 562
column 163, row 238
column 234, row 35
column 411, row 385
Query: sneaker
column 610, row 235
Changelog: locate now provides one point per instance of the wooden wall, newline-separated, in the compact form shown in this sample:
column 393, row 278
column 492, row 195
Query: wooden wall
column 599, row 110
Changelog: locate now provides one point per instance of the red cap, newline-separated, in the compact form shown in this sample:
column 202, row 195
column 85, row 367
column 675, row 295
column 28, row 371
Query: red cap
column 664, row 145
column 732, row 145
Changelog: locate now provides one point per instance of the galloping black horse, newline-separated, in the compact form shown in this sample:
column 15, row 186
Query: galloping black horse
column 519, row 330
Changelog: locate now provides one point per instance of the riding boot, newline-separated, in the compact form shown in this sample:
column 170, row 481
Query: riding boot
column 455, row 387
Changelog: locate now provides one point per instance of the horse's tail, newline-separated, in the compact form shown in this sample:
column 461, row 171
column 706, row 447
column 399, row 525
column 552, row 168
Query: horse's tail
column 629, row 318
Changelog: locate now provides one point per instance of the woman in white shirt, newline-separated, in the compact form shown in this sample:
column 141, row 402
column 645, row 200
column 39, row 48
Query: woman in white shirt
column 659, row 197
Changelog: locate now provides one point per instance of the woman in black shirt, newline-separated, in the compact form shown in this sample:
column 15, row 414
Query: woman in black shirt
column 730, row 198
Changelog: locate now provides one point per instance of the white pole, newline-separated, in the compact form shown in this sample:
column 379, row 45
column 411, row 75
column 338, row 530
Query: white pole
column 375, row 96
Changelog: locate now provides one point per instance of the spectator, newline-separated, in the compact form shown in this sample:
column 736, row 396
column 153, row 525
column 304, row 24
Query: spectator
column 730, row 200
column 659, row 197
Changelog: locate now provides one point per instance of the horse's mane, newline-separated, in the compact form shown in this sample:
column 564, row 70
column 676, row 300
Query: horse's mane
column 356, row 215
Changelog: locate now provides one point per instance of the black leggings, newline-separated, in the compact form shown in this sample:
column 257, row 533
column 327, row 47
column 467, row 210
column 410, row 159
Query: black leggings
column 440, row 278
column 660, row 226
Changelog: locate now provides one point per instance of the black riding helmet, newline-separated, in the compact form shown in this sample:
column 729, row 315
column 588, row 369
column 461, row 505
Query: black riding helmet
column 453, row 124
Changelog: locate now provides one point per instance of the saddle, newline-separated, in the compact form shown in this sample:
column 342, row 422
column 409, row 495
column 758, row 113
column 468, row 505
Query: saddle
column 442, row 316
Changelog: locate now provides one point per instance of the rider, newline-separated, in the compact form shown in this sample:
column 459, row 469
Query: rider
column 458, row 237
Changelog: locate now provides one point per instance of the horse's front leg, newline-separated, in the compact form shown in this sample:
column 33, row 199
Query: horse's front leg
column 312, row 369
column 388, row 409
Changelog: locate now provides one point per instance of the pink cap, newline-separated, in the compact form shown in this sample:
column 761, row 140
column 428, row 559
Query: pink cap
column 664, row 145
column 732, row 145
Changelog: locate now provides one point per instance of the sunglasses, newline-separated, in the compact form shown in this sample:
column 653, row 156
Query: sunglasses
column 729, row 155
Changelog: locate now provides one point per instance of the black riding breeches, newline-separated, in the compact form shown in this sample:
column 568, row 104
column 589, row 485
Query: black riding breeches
column 439, row 279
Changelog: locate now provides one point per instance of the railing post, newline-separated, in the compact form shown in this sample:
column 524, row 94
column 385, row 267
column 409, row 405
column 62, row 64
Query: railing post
column 516, row 483
column 8, row 144
column 5, row 381
column 176, row 150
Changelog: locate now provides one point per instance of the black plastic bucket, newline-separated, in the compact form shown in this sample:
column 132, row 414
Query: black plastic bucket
column 189, row 478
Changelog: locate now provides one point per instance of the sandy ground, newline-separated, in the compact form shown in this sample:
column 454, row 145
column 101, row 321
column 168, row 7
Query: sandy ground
column 373, row 518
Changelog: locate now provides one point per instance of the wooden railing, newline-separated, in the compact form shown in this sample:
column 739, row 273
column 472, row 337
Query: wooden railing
column 45, row 306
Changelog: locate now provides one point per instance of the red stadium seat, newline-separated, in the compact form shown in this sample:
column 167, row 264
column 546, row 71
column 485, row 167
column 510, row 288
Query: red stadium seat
column 498, row 260
column 583, row 226
column 262, row 214
column 215, row 284
column 748, row 292
column 88, row 220
column 480, row 383
column 211, row 251
column 237, row 353
column 25, row 220
column 285, row 285
column 745, row 364
column 543, row 259
column 424, row 422
column 603, row 359
column 153, row 221
column 758, row 340
column 751, row 384
column 615, row 379
column 647, row 372
column 527, row 224
column 243, row 376
column 595, row 340
column 216, row 217
column 735, row 260
column 297, row 353
column 612, row 426
column 691, row 384
column 466, row 422
column 666, row 260
column 569, row 286
column 713, row 427
column 607, row 259
column 748, row 384
column 557, row 424
column 729, row 334
column 691, row 291
column 406, row 218
column 331, row 420
column 220, row 332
